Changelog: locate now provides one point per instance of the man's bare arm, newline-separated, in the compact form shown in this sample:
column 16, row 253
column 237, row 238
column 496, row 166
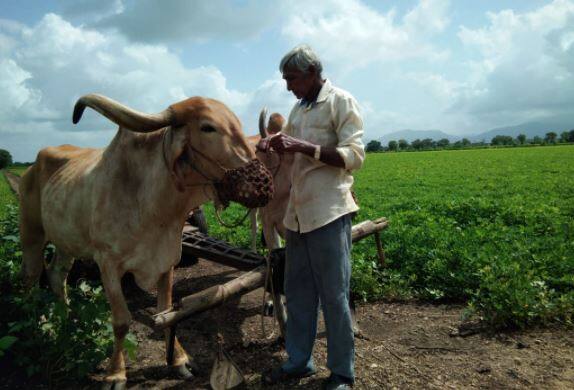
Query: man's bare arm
column 286, row 144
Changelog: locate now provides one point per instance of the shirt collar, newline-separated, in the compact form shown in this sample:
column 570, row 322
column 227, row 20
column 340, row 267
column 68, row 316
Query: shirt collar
column 321, row 96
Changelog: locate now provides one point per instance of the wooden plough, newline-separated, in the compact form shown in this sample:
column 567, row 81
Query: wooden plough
column 200, row 245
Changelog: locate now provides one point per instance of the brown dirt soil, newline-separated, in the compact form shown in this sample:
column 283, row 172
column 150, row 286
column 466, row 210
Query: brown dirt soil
column 412, row 346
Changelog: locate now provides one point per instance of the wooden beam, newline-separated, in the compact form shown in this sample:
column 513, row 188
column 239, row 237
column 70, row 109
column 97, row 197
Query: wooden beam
column 366, row 228
column 212, row 297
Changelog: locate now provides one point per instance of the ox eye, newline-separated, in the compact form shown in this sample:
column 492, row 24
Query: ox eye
column 208, row 129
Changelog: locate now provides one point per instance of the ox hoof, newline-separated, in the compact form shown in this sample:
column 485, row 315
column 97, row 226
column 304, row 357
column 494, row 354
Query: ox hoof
column 185, row 371
column 115, row 385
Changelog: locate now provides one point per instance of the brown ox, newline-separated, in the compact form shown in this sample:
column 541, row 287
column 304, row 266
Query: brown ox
column 280, row 166
column 125, row 205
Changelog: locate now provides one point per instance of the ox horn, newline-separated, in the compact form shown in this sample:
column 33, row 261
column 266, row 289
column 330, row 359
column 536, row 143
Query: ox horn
column 122, row 115
column 262, row 128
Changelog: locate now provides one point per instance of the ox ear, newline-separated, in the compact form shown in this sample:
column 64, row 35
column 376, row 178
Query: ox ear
column 177, row 159
column 262, row 118
column 180, row 168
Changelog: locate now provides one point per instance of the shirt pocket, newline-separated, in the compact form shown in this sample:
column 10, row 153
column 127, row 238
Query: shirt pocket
column 321, row 136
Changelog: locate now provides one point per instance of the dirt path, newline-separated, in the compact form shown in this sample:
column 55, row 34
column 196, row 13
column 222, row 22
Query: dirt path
column 405, row 346
column 13, row 181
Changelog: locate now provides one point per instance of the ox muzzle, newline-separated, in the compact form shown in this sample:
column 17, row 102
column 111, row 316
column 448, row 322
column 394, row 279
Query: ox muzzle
column 250, row 185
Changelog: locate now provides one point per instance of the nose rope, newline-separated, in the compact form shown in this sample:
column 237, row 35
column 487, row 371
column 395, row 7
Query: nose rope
column 276, row 168
column 250, row 185
column 193, row 166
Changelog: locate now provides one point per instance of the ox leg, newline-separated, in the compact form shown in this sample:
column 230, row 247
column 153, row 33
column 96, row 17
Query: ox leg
column 272, row 238
column 57, row 271
column 32, row 257
column 182, row 364
column 116, row 375
column 254, row 228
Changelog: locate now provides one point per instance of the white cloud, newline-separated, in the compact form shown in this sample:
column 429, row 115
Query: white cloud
column 350, row 34
column 183, row 20
column 53, row 63
column 90, row 10
column 428, row 17
column 526, row 66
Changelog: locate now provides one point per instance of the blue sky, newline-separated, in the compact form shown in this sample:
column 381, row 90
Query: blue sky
column 463, row 67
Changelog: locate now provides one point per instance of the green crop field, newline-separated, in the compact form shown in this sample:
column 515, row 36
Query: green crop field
column 493, row 227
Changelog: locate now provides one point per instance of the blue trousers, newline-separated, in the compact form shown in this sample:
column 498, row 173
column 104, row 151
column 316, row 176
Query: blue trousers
column 318, row 268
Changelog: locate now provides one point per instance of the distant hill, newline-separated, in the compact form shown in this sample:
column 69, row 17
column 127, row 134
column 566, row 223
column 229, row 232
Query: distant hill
column 411, row 135
column 530, row 129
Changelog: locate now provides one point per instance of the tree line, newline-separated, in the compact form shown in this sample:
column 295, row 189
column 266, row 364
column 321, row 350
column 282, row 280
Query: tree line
column 500, row 140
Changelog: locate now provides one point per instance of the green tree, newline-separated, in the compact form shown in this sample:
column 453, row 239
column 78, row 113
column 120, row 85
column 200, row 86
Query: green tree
column 5, row 158
column 502, row 140
column 564, row 136
column 443, row 143
column 465, row 142
column 537, row 140
column 571, row 136
column 393, row 145
column 404, row 145
column 550, row 137
column 428, row 143
column 373, row 146
column 521, row 139
column 417, row 144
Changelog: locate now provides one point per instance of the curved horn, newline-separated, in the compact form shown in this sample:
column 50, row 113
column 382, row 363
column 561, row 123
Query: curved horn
column 262, row 128
column 122, row 115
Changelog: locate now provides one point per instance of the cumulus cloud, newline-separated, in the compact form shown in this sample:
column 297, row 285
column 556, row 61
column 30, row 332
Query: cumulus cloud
column 525, row 68
column 183, row 20
column 90, row 10
column 50, row 65
column 351, row 34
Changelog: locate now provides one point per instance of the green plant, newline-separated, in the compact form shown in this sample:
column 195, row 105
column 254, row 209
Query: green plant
column 42, row 335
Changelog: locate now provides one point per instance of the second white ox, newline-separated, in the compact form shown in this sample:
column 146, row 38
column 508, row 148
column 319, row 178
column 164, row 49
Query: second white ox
column 125, row 205
column 280, row 167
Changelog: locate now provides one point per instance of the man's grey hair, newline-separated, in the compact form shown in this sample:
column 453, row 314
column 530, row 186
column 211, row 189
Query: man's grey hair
column 301, row 58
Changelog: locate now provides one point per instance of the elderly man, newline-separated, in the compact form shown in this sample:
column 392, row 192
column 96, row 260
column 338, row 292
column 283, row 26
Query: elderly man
column 324, row 132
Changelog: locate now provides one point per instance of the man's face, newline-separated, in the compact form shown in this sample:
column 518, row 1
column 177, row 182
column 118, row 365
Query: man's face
column 299, row 83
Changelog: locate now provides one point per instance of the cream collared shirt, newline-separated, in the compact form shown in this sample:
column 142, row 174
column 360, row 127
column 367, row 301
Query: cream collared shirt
column 321, row 193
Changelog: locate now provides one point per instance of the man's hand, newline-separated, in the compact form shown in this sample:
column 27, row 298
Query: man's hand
column 263, row 145
column 286, row 144
column 282, row 143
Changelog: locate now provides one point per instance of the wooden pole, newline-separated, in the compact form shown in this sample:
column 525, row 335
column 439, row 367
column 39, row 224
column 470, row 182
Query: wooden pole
column 380, row 251
column 212, row 297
